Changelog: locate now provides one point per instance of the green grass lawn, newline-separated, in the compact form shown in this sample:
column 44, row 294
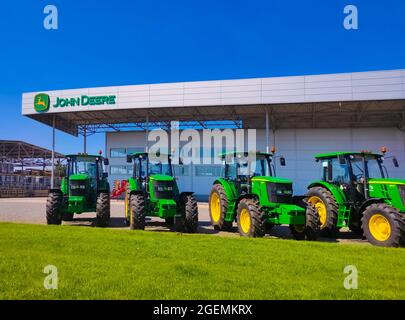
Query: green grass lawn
column 122, row 264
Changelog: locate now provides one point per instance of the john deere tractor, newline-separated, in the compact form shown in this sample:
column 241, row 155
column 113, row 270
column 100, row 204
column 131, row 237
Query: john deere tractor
column 250, row 194
column 84, row 189
column 152, row 191
column 355, row 192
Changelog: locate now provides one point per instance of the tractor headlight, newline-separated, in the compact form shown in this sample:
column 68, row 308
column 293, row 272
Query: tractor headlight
column 164, row 188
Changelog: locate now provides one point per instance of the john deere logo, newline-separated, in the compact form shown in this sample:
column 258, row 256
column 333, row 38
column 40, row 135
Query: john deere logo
column 41, row 102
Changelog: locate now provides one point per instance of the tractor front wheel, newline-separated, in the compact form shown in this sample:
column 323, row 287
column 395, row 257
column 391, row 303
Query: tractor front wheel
column 327, row 208
column 218, row 206
column 188, row 222
column 251, row 219
column 138, row 212
column 383, row 225
column 54, row 208
column 103, row 210
column 309, row 231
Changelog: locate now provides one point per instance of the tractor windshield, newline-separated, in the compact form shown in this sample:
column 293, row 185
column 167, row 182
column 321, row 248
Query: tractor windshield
column 243, row 167
column 369, row 166
column 154, row 165
column 83, row 165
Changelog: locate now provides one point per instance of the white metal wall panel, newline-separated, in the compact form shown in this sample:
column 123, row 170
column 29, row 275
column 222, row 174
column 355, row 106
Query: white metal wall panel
column 381, row 85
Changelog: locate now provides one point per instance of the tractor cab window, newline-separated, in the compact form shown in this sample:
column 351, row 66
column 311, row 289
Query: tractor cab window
column 374, row 168
column 336, row 172
column 243, row 168
column 83, row 165
column 161, row 165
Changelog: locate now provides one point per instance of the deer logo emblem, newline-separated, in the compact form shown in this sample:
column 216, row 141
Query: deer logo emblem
column 41, row 102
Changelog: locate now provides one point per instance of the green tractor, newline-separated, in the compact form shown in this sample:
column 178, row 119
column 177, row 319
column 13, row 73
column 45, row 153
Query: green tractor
column 84, row 189
column 249, row 193
column 355, row 192
column 152, row 191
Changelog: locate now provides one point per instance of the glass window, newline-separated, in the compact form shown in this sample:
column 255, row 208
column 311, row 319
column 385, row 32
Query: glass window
column 135, row 149
column 118, row 170
column 340, row 172
column 181, row 171
column 207, row 171
column 118, row 152
column 374, row 168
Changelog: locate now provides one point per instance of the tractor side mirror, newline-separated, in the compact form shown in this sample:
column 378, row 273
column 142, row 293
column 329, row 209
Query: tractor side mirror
column 282, row 161
column 395, row 161
column 106, row 161
column 105, row 174
column 342, row 160
column 129, row 158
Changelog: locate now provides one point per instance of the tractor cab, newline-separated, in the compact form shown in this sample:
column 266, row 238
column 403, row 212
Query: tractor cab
column 85, row 177
column 354, row 172
column 243, row 168
column 153, row 173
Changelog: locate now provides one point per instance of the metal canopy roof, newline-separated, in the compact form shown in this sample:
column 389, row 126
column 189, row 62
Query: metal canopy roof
column 365, row 99
column 18, row 150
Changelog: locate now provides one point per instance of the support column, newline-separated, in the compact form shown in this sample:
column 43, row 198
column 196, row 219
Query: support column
column 146, row 134
column 53, row 154
column 85, row 140
column 267, row 132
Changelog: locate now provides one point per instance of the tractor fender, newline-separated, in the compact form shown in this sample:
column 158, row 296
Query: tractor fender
column 244, row 196
column 228, row 187
column 337, row 193
column 366, row 203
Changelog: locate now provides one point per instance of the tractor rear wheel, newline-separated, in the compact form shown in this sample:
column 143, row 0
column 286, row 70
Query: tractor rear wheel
column 138, row 211
column 251, row 219
column 309, row 231
column 218, row 206
column 327, row 209
column 103, row 209
column 188, row 220
column 54, row 208
column 383, row 225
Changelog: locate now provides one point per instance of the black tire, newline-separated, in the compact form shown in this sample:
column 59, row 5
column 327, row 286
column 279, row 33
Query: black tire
column 312, row 225
column 103, row 209
column 138, row 211
column 328, row 229
column 54, row 208
column 257, row 227
column 188, row 222
column 396, row 222
column 220, row 224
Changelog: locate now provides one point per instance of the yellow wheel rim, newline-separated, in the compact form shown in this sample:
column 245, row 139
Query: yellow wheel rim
column 299, row 228
column 380, row 227
column 320, row 208
column 245, row 220
column 126, row 205
column 215, row 207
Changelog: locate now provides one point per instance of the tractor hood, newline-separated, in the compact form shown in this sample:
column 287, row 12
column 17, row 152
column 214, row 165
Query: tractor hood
column 78, row 177
column 387, row 181
column 161, row 177
column 271, row 179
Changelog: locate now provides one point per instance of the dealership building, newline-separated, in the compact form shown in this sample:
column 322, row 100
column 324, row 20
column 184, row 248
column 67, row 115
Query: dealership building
column 299, row 116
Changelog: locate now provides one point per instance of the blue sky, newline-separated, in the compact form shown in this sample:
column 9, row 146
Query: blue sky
column 103, row 43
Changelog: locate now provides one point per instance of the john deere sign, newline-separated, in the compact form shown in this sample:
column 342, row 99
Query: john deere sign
column 42, row 101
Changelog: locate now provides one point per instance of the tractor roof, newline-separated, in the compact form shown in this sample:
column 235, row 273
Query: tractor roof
column 236, row 153
column 83, row 155
column 336, row 154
